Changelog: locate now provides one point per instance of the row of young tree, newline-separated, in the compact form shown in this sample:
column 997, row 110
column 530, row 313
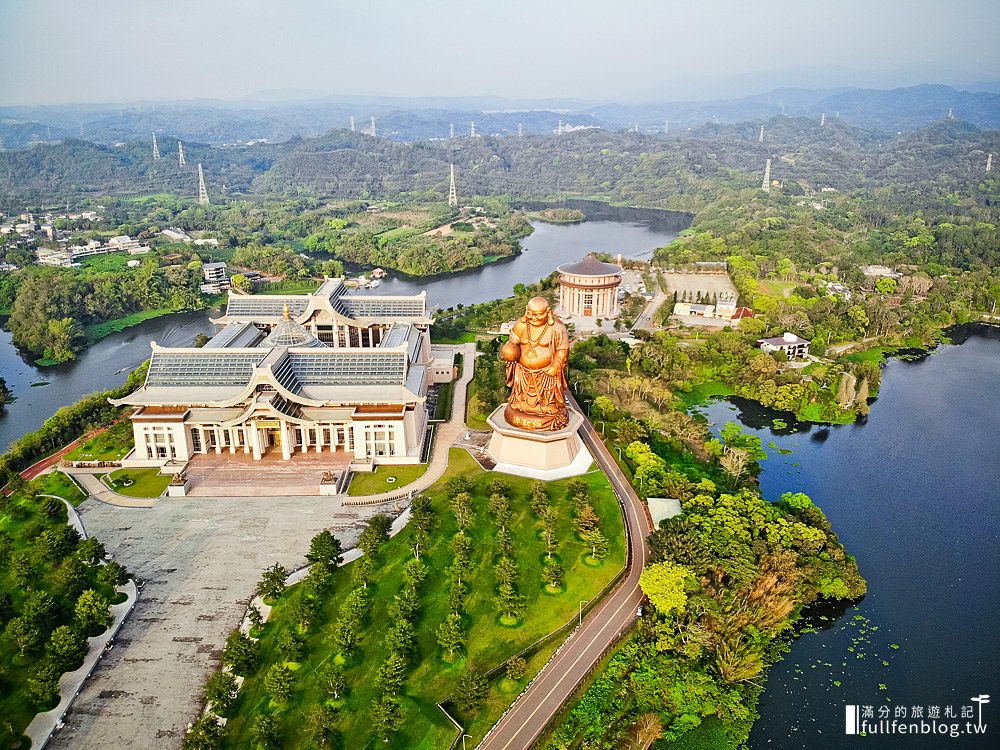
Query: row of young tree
column 55, row 593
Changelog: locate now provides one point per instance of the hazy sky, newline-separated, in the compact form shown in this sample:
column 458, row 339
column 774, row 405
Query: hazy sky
column 54, row 51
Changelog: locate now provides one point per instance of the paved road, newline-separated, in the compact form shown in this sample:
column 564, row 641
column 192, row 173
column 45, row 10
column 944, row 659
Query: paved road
column 646, row 318
column 528, row 717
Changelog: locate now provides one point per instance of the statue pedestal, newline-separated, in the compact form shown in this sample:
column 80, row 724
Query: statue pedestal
column 536, row 454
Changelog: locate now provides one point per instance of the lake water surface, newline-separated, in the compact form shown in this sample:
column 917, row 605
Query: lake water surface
column 914, row 494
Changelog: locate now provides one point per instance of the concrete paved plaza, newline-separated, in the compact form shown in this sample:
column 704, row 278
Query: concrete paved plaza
column 199, row 560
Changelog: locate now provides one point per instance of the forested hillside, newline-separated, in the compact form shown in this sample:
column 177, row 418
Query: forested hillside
column 943, row 162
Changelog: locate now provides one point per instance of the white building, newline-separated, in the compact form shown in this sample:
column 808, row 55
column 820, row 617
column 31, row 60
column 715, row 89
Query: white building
column 589, row 288
column 328, row 372
column 794, row 346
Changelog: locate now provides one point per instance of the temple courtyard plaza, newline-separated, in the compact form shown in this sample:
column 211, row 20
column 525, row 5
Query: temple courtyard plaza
column 198, row 560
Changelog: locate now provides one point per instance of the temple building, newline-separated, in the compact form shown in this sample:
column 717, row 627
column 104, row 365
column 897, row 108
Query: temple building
column 327, row 372
column 589, row 288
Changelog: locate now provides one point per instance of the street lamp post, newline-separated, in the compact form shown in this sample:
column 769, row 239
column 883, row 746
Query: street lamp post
column 463, row 739
column 581, row 610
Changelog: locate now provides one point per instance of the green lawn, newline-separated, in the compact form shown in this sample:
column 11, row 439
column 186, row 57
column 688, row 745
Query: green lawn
column 474, row 416
column 431, row 679
column 57, row 483
column 775, row 288
column 377, row 481
column 876, row 354
column 144, row 482
column 110, row 445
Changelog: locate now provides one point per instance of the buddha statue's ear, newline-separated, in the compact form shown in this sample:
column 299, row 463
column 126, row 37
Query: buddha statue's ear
column 552, row 317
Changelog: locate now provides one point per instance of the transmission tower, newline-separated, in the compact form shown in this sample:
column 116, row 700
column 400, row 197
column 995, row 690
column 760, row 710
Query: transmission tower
column 451, row 131
column 352, row 124
column 452, row 192
column 760, row 138
column 373, row 131
column 520, row 130
column 989, row 163
column 202, row 190
column 666, row 127
column 181, row 161
column 822, row 120
column 472, row 128
column 766, row 185
column 156, row 149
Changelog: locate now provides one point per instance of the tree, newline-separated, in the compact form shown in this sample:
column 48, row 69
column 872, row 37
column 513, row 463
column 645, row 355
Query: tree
column 91, row 551
column 325, row 549
column 92, row 612
column 112, row 574
column 387, row 717
column 598, row 544
column 240, row 653
column 362, row 570
column 553, row 573
column 470, row 691
column 515, row 668
column 24, row 634
column 206, row 733
column 255, row 617
column 241, row 282
column 266, row 732
column 272, row 582
column 401, row 637
column 321, row 721
column 391, row 674
column 331, row 678
column 451, row 634
column 278, row 682
column 220, row 691
column 291, row 645
column 648, row 729
column 66, row 647
column 43, row 685
column 461, row 506
column 586, row 519
column 665, row 583
column 375, row 534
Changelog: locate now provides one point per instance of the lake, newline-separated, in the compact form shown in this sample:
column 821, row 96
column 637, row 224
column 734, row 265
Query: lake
column 633, row 232
column 914, row 494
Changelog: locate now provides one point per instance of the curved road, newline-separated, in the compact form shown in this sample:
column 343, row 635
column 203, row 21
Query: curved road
column 552, row 687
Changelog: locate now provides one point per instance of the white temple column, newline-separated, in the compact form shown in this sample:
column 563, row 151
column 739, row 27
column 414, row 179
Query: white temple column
column 360, row 444
column 218, row 439
column 255, row 446
column 232, row 439
column 304, row 445
column 286, row 440
column 319, row 438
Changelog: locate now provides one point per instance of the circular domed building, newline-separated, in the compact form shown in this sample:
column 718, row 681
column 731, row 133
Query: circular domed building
column 589, row 288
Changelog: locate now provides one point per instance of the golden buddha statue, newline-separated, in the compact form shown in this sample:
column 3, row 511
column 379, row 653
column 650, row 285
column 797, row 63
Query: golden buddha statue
column 536, row 356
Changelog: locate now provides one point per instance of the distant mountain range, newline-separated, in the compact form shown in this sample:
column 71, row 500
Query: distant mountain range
column 278, row 117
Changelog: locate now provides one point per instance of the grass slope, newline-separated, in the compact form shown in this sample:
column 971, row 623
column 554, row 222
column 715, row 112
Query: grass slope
column 431, row 679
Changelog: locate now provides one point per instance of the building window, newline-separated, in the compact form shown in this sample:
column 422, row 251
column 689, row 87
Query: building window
column 196, row 440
